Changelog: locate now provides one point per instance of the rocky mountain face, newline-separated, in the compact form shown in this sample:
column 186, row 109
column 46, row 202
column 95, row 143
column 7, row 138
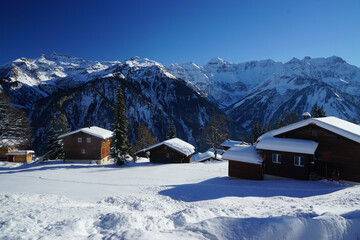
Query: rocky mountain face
column 266, row 90
column 186, row 93
column 85, row 92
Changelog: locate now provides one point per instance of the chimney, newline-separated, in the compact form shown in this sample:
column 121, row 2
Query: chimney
column 306, row 115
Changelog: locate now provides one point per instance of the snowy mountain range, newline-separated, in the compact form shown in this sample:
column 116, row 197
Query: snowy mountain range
column 266, row 90
column 186, row 93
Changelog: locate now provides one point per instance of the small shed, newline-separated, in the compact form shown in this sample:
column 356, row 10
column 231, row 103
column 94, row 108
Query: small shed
column 244, row 162
column 87, row 145
column 231, row 143
column 209, row 155
column 173, row 150
column 20, row 156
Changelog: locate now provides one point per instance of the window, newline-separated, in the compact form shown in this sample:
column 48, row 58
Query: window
column 276, row 158
column 88, row 139
column 79, row 139
column 83, row 151
column 299, row 161
column 167, row 155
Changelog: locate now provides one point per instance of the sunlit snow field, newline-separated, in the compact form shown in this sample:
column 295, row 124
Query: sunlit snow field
column 169, row 201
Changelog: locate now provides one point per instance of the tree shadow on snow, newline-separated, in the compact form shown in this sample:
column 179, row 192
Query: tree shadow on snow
column 228, row 187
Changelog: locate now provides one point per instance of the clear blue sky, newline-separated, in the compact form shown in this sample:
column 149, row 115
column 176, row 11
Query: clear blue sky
column 172, row 31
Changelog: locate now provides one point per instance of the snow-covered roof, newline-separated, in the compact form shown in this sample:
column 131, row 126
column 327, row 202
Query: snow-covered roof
column 333, row 124
column 94, row 131
column 243, row 153
column 287, row 145
column 198, row 157
column 20, row 152
column 176, row 144
column 231, row 143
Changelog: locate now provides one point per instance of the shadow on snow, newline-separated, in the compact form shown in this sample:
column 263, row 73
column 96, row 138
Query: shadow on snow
column 228, row 187
column 55, row 165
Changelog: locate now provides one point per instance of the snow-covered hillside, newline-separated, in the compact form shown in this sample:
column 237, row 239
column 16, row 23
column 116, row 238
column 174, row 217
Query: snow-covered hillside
column 169, row 201
column 85, row 92
column 225, row 82
column 329, row 82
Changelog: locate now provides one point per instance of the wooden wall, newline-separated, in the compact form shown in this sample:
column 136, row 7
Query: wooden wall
column 286, row 168
column 73, row 149
column 245, row 170
column 334, row 152
column 105, row 148
column 158, row 155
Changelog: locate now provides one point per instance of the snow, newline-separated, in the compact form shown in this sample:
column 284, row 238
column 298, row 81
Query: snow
column 231, row 143
column 94, row 131
column 20, row 152
column 177, row 144
column 243, row 153
column 287, row 145
column 169, row 201
column 332, row 124
column 209, row 154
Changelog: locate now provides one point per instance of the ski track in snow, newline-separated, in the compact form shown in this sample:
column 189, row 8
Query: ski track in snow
column 154, row 201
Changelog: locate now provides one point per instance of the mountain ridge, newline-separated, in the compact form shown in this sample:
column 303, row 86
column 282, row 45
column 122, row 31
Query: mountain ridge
column 187, row 93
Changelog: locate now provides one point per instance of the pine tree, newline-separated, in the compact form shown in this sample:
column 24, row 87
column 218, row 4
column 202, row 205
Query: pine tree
column 144, row 137
column 119, row 143
column 256, row 131
column 171, row 132
column 54, row 147
column 14, row 123
column 317, row 111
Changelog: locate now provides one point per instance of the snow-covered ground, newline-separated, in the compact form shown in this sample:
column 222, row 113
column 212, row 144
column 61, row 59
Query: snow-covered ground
column 173, row 201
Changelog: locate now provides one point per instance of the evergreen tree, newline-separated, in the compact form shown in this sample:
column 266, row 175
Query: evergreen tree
column 290, row 118
column 14, row 123
column 171, row 132
column 255, row 132
column 54, row 147
column 317, row 111
column 119, row 143
column 144, row 137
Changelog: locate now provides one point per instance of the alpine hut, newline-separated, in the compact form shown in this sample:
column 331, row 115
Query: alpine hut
column 87, row 145
column 328, row 147
column 173, row 150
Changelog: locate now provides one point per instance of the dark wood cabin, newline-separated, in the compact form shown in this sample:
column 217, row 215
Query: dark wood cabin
column 171, row 151
column 244, row 162
column 87, row 145
column 245, row 170
column 283, row 164
column 337, row 155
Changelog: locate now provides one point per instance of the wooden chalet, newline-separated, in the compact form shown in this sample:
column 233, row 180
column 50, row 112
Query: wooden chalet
column 87, row 145
column 328, row 147
column 173, row 150
column 9, row 152
column 244, row 162
column 20, row 156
